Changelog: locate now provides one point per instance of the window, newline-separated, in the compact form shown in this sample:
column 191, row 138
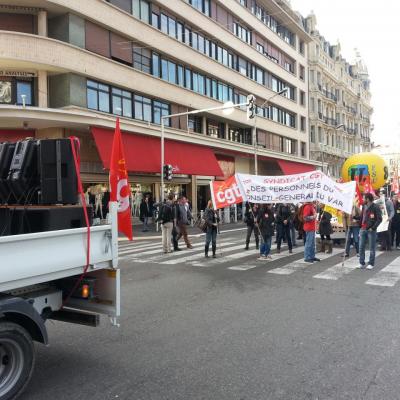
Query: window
column 301, row 47
column 195, row 40
column 303, row 149
column 202, row 5
column 171, row 72
column 188, row 79
column 155, row 20
column 242, row 66
column 160, row 109
column 98, row 96
column 216, row 129
column 312, row 134
column 181, row 77
column 164, row 23
column 301, row 72
column 260, row 48
column 155, row 65
column 303, row 124
column 142, row 108
column 179, row 31
column 164, row 69
column 195, row 123
column 121, row 102
column 24, row 88
column 141, row 10
column 142, row 59
column 187, row 38
column 171, row 27
column 302, row 98
column 240, row 135
column 5, row 92
column 242, row 33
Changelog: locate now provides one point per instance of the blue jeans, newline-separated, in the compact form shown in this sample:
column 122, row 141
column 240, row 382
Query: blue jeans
column 364, row 236
column 354, row 232
column 265, row 247
column 211, row 236
column 309, row 247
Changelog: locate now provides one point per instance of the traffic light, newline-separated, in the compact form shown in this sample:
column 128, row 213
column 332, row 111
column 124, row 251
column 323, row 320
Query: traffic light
column 168, row 172
column 251, row 106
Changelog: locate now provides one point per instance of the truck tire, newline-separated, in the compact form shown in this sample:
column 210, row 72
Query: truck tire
column 17, row 358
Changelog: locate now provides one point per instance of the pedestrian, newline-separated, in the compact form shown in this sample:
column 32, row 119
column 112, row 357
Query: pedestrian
column 145, row 213
column 385, row 236
column 371, row 217
column 266, row 223
column 396, row 222
column 298, row 223
column 283, row 226
column 250, row 218
column 293, row 211
column 352, row 225
column 183, row 216
column 325, row 230
column 165, row 216
column 175, row 228
column 212, row 220
column 309, row 227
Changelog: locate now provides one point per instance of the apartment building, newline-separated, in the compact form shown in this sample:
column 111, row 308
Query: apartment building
column 70, row 67
column 339, row 102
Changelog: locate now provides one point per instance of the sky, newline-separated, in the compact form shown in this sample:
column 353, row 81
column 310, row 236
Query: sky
column 373, row 28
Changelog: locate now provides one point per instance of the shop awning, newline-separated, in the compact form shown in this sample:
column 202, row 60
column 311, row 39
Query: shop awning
column 292, row 167
column 143, row 154
column 13, row 135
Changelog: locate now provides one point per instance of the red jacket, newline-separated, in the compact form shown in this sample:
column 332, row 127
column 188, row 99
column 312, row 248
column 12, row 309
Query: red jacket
column 309, row 211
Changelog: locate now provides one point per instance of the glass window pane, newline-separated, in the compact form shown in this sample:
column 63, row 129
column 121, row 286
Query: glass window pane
column 115, row 90
column 104, row 102
column 156, row 65
column 214, row 89
column 172, row 27
column 127, row 108
column 104, row 87
column 91, row 98
column 187, row 36
column 164, row 69
column 24, row 89
column 188, row 78
column 155, row 20
column 147, row 112
column 171, row 72
column 92, row 84
column 144, row 11
column 179, row 31
column 195, row 82
column 180, row 75
column 117, row 105
column 208, row 87
column 136, row 8
column 164, row 23
column 195, row 41
column 201, row 43
column 139, row 107
column 201, row 84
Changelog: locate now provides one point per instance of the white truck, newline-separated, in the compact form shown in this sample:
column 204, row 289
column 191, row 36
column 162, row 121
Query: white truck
column 37, row 274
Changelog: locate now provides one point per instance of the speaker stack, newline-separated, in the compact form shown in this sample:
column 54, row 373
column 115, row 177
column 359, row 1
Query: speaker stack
column 38, row 187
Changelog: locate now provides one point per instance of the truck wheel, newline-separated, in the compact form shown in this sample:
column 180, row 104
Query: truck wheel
column 17, row 358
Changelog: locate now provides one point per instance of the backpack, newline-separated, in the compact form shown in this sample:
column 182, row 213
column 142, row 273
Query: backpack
column 201, row 223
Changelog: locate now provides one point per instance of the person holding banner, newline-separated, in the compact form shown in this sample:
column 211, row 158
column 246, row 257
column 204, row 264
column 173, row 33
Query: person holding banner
column 266, row 222
column 212, row 220
column 371, row 217
column 309, row 227
column 351, row 224
column 283, row 226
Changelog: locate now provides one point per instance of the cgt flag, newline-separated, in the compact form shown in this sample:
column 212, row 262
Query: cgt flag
column 225, row 193
column 119, row 185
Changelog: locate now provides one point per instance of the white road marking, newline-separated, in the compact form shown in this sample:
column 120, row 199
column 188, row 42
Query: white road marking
column 301, row 264
column 132, row 249
column 387, row 276
column 243, row 267
column 338, row 271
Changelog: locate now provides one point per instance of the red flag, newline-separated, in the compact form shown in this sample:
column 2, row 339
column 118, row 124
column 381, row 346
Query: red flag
column 367, row 186
column 358, row 193
column 395, row 183
column 120, row 189
column 226, row 193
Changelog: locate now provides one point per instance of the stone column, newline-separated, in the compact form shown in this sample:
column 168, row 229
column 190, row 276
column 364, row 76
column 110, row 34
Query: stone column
column 42, row 89
column 42, row 23
column 204, row 126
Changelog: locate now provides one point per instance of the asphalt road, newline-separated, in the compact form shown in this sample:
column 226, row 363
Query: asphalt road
column 209, row 332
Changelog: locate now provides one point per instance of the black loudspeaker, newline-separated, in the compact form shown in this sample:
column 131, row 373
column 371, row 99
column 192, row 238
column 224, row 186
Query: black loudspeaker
column 6, row 155
column 23, row 173
column 16, row 220
column 58, row 180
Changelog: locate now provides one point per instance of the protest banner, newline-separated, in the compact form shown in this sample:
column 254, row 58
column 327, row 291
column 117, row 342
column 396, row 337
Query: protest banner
column 299, row 188
column 225, row 193
column 384, row 225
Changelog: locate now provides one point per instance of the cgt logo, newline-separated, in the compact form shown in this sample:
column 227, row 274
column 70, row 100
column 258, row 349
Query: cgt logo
column 226, row 193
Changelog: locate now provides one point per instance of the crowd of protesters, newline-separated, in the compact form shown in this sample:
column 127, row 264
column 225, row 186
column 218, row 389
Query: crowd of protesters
column 287, row 223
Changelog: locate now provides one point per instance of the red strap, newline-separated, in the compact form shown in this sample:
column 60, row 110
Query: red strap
column 76, row 144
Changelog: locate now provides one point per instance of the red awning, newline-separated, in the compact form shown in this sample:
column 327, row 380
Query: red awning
column 13, row 135
column 143, row 154
column 292, row 167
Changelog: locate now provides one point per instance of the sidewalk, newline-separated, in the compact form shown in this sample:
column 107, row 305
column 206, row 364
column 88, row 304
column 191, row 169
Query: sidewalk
column 192, row 231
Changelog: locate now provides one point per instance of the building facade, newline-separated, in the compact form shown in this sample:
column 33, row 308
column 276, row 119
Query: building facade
column 70, row 67
column 339, row 102
column 391, row 155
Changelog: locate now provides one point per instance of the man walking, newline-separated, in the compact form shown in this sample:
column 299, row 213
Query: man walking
column 166, row 218
column 352, row 225
column 250, row 218
column 283, row 226
column 371, row 217
column 396, row 222
column 309, row 227
column 266, row 222
column 144, row 213
column 183, row 215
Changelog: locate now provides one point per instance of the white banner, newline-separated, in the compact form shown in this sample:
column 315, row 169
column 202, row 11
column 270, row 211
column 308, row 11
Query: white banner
column 384, row 225
column 299, row 188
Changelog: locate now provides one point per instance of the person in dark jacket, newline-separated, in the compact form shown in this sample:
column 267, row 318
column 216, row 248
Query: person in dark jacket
column 250, row 218
column 325, row 230
column 284, row 223
column 266, row 223
column 396, row 222
column 212, row 220
column 145, row 213
column 371, row 217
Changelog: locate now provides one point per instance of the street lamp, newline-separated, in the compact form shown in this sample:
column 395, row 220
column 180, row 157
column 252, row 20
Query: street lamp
column 255, row 128
column 227, row 109
column 323, row 147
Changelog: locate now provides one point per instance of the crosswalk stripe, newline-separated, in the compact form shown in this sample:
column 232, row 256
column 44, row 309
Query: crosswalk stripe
column 301, row 264
column 174, row 255
column 137, row 255
column 201, row 255
column 132, row 249
column 387, row 276
column 338, row 271
column 243, row 267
